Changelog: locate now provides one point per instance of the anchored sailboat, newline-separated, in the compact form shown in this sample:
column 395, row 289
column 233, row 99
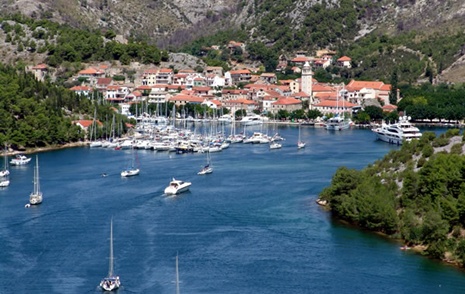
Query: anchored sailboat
column 36, row 195
column 111, row 282
column 132, row 169
column 5, row 172
column 207, row 169
column 4, row 181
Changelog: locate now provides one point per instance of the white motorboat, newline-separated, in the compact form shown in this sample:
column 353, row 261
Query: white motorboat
column 110, row 282
column 257, row 138
column 275, row 145
column 20, row 160
column 250, row 120
column 36, row 196
column 398, row 132
column 4, row 183
column 177, row 186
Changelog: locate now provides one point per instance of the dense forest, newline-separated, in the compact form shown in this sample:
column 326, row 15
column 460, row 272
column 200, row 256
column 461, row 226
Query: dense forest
column 416, row 193
column 36, row 114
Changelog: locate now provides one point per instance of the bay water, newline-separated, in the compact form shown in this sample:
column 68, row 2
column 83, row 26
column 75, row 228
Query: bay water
column 252, row 226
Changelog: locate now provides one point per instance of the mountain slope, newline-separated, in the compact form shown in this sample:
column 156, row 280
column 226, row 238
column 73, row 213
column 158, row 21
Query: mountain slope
column 284, row 26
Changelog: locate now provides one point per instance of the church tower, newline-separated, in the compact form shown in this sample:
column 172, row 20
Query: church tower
column 307, row 77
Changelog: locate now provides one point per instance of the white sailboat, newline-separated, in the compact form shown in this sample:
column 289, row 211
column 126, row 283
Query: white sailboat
column 132, row 170
column 110, row 282
column 300, row 144
column 338, row 123
column 5, row 172
column 207, row 169
column 5, row 181
column 95, row 143
column 36, row 196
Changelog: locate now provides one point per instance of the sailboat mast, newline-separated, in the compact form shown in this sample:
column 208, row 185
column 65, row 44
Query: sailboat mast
column 177, row 276
column 110, row 267
column 36, row 178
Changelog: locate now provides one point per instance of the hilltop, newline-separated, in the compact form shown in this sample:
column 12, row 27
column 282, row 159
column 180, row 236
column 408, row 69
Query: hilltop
column 420, row 39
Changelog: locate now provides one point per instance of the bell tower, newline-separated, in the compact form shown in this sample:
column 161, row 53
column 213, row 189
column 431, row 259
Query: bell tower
column 307, row 77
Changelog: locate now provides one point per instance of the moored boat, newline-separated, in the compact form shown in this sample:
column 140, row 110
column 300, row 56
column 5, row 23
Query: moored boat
column 20, row 159
column 36, row 196
column 397, row 133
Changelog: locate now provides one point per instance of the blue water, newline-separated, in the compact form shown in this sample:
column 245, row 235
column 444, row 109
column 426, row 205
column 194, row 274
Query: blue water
column 250, row 227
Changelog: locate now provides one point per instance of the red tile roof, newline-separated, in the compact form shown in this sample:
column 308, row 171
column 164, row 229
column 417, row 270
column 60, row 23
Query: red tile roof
column 187, row 98
column 358, row 85
column 300, row 59
column 335, row 103
column 40, row 66
column 344, row 58
column 81, row 88
column 287, row 101
column 104, row 81
column 240, row 72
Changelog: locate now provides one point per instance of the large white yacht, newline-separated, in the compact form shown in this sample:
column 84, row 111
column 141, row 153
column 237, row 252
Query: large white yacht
column 398, row 132
column 252, row 119
column 337, row 123
column 176, row 187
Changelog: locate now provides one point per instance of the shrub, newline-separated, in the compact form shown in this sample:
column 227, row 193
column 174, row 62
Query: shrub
column 440, row 142
column 456, row 148
column 427, row 151
column 421, row 162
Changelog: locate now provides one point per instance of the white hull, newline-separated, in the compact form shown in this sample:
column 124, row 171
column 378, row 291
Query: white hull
column 397, row 133
column 20, row 160
column 205, row 171
column 4, row 173
column 337, row 126
column 36, row 196
column 95, row 144
column 386, row 138
column 130, row 172
column 275, row 146
column 177, row 187
column 110, row 284
column 35, row 199
column 4, row 183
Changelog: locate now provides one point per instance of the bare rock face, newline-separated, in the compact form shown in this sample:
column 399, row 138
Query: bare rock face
column 151, row 18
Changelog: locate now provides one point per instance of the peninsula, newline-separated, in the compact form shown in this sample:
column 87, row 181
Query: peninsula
column 416, row 194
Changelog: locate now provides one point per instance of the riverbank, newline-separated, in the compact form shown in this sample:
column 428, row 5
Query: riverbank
column 46, row 148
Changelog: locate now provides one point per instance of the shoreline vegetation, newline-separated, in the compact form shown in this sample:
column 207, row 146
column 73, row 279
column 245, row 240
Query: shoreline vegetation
column 415, row 195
